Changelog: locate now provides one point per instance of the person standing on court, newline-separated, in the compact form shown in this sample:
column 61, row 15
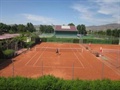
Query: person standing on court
column 57, row 51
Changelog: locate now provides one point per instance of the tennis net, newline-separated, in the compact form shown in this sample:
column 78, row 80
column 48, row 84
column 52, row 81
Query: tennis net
column 52, row 49
column 111, row 50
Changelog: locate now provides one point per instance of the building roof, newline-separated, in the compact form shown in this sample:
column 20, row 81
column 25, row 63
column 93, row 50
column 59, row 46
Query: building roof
column 8, row 36
column 65, row 28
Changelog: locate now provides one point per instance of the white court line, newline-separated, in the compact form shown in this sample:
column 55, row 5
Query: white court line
column 110, row 66
column 53, row 66
column 39, row 57
column 85, row 59
column 78, row 59
column 31, row 58
column 111, row 56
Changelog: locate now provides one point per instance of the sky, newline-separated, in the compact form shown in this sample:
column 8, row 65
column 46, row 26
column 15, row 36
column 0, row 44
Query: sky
column 60, row 12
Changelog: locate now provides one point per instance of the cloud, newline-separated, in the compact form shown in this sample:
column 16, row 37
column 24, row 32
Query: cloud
column 110, row 7
column 108, row 1
column 100, row 11
column 40, row 19
column 84, row 11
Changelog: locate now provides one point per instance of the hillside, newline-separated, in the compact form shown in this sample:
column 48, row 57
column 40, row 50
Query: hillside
column 104, row 27
column 100, row 27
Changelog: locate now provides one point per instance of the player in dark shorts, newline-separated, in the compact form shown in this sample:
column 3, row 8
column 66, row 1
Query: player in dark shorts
column 57, row 51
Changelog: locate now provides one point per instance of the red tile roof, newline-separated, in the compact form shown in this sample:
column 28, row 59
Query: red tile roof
column 7, row 36
column 68, row 28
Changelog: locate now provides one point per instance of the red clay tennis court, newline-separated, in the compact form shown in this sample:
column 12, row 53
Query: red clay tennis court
column 73, row 61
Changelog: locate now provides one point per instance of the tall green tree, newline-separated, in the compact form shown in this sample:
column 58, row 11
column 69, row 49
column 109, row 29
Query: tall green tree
column 46, row 29
column 109, row 32
column 41, row 29
column 71, row 24
column 81, row 29
column 30, row 27
column 3, row 27
column 21, row 28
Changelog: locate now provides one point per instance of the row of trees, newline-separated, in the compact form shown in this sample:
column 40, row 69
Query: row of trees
column 16, row 28
column 81, row 28
column 108, row 32
column 115, row 32
column 49, row 29
column 30, row 28
column 46, row 29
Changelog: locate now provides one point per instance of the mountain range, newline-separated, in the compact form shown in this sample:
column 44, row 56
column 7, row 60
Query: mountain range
column 104, row 27
column 99, row 27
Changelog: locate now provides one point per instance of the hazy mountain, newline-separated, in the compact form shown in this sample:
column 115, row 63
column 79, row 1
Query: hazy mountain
column 104, row 27
column 100, row 27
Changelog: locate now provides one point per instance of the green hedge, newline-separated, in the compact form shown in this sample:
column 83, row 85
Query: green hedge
column 54, row 39
column 9, row 53
column 52, row 83
column 60, row 40
column 29, row 44
column 44, row 39
column 101, row 41
column 73, row 40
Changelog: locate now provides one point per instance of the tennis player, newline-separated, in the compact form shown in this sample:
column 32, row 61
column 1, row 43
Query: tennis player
column 90, row 45
column 101, row 51
column 57, row 51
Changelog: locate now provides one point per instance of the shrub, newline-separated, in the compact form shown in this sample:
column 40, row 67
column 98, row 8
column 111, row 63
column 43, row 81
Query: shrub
column 44, row 39
column 75, row 40
column 29, row 44
column 9, row 53
column 52, row 83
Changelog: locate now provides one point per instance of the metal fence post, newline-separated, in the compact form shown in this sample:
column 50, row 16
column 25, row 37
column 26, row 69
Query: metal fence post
column 73, row 71
column 102, row 73
column 13, row 68
column 42, row 68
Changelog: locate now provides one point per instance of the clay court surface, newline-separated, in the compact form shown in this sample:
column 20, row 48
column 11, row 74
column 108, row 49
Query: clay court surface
column 76, row 62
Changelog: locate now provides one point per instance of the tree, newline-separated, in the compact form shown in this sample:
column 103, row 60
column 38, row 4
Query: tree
column 30, row 27
column 21, row 28
column 17, row 40
column 14, row 28
column 0, row 31
column 41, row 29
column 71, row 24
column 108, row 32
column 46, row 29
column 3, row 27
column 49, row 29
column 81, row 29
